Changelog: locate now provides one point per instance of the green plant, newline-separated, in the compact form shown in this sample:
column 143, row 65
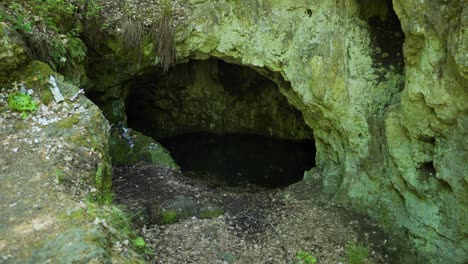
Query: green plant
column 51, row 28
column 23, row 103
column 60, row 176
column 304, row 257
column 357, row 253
column 139, row 243
column 164, row 36
column 118, row 225
column 17, row 17
column 103, row 181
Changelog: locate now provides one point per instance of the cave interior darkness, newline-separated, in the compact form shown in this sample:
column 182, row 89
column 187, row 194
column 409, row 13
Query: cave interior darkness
column 224, row 121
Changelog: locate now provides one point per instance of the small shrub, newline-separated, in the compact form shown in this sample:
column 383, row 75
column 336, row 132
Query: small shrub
column 22, row 103
column 51, row 28
column 357, row 253
column 304, row 257
column 139, row 243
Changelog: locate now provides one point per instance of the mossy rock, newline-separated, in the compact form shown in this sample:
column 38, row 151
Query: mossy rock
column 168, row 217
column 210, row 212
column 77, row 245
column 180, row 207
column 47, row 97
column 184, row 206
column 68, row 122
column 144, row 149
column 156, row 215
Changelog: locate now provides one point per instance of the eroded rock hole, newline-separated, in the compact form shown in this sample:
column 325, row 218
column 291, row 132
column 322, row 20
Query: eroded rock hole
column 386, row 31
column 222, row 122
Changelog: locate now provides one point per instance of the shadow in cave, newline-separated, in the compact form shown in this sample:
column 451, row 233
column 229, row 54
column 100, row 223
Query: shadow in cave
column 238, row 159
column 223, row 123
column 387, row 35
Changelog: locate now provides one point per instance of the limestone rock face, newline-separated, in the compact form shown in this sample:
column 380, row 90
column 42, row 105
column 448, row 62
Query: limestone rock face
column 427, row 135
column 51, row 162
column 390, row 139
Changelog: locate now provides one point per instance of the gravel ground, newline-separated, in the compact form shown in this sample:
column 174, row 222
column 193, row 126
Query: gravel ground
column 258, row 225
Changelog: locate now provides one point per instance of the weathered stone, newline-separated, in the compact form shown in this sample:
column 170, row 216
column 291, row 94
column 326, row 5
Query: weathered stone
column 392, row 144
column 48, row 169
column 140, row 148
column 78, row 245
column 178, row 208
column 400, row 154
column 210, row 211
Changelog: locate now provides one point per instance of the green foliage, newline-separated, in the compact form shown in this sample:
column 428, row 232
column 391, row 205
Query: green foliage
column 118, row 225
column 357, row 253
column 98, row 176
column 23, row 103
column 103, row 181
column 51, row 28
column 139, row 242
column 67, row 51
column 68, row 123
column 304, row 257
column 60, row 176
column 16, row 17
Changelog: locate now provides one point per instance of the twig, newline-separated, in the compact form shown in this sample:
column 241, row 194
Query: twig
column 284, row 246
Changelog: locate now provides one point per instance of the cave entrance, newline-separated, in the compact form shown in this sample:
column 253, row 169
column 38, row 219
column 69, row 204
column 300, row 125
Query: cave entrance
column 222, row 122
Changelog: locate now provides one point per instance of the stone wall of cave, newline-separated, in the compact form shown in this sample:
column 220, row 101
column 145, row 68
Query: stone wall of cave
column 389, row 141
column 211, row 96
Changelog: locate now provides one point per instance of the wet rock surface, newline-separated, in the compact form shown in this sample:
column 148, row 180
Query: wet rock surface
column 257, row 225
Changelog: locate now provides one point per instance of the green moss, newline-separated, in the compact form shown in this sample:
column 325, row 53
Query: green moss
column 36, row 75
column 47, row 97
column 304, row 257
column 168, row 217
column 357, row 253
column 210, row 214
column 60, row 176
column 103, row 181
column 68, row 122
column 145, row 149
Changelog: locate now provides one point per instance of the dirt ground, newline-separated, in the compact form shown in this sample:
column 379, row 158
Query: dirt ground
column 259, row 225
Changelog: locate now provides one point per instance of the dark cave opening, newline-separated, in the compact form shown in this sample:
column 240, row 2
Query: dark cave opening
column 222, row 122
column 388, row 37
column 237, row 159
